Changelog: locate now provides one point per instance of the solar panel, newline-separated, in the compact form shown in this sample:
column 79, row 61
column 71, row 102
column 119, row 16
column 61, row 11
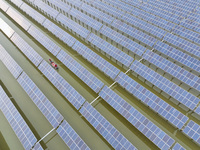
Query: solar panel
column 24, row 23
column 165, row 85
column 158, row 105
column 44, row 40
column 193, row 131
column 58, row 32
column 144, row 125
column 70, row 137
column 99, row 15
column 96, row 60
column 47, row 9
column 188, row 34
column 30, row 53
column 72, row 25
column 107, row 130
column 10, row 63
column 73, row 3
column 87, row 77
column 8, row 31
column 122, row 40
column 133, row 33
column 173, row 69
column 32, row 13
column 18, row 3
column 4, row 6
column 190, row 24
column 177, row 146
column 189, row 47
column 178, row 56
column 62, row 85
column 85, row 19
column 16, row 121
column 40, row 100
column 108, row 48
column 137, row 22
column 60, row 5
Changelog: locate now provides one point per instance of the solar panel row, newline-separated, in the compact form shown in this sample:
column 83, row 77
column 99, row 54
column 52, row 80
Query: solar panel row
column 107, row 130
column 193, row 131
column 93, row 82
column 133, row 32
column 177, row 146
column 165, row 85
column 24, row 23
column 144, row 125
column 10, row 63
column 70, row 137
column 173, row 69
column 178, row 56
column 61, row 6
column 58, row 32
column 122, row 40
column 30, row 53
column 4, row 6
column 40, row 100
column 111, row 50
column 44, row 40
column 17, row 123
column 72, row 25
column 8, row 31
column 85, row 19
column 189, row 47
column 47, row 9
column 154, row 102
column 62, row 85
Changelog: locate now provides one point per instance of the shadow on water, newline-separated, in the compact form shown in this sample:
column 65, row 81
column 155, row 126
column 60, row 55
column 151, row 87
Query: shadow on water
column 3, row 144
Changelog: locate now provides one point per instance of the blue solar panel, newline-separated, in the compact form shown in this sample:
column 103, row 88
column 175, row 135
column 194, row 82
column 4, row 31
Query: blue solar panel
column 99, row 15
column 179, row 56
column 108, row 48
column 87, row 77
column 73, row 3
column 32, row 13
column 130, row 19
column 24, row 23
column 70, row 137
column 133, row 32
column 78, row 15
column 47, row 9
column 62, row 85
column 4, row 6
column 122, row 40
column 30, row 53
column 183, row 44
column 188, row 34
column 158, row 105
column 16, row 121
column 7, row 30
column 58, row 32
column 173, row 69
column 40, row 100
column 194, row 26
column 96, row 60
column 177, row 146
column 107, row 130
column 61, row 6
column 10, row 63
column 144, row 125
column 107, row 8
column 70, row 24
column 44, row 40
column 193, row 131
column 165, row 85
